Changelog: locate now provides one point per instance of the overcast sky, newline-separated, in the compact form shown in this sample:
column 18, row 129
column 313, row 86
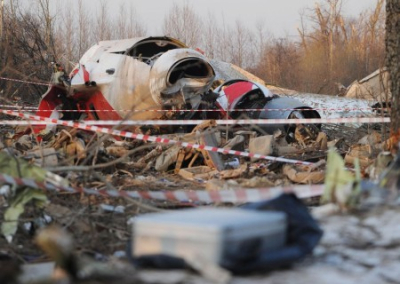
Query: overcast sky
column 280, row 17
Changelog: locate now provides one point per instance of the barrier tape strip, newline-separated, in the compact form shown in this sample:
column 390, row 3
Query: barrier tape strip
column 201, row 110
column 26, row 82
column 359, row 120
column 24, row 108
column 154, row 138
column 189, row 196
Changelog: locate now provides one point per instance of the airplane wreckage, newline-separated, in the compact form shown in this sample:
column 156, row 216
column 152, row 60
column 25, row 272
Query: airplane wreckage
column 146, row 75
column 161, row 78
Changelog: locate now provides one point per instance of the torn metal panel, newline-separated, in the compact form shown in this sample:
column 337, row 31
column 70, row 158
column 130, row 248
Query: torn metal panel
column 179, row 76
column 240, row 98
column 294, row 109
column 139, row 74
column 234, row 95
column 212, row 159
column 374, row 87
column 227, row 71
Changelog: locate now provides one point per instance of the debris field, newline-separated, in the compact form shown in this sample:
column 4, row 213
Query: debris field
column 79, row 171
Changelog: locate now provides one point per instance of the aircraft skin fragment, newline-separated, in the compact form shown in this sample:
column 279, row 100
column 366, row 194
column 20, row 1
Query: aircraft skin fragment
column 161, row 73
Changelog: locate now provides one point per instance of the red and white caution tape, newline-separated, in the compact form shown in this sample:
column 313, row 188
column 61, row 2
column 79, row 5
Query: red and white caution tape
column 203, row 110
column 358, row 120
column 19, row 107
column 24, row 122
column 192, row 196
column 153, row 138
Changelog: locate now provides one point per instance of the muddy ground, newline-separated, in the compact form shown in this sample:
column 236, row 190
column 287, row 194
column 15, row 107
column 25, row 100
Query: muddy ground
column 102, row 233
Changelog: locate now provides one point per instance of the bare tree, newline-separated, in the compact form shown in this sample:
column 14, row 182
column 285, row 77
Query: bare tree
column 332, row 48
column 128, row 25
column 282, row 57
column 45, row 15
column 84, row 24
column 223, row 41
column 67, row 28
column 393, row 60
column 259, row 62
column 210, row 36
column 103, row 24
column 135, row 28
column 337, row 49
column 302, row 32
column 122, row 23
column 1, row 19
column 375, row 36
column 240, row 44
column 183, row 23
column 24, row 53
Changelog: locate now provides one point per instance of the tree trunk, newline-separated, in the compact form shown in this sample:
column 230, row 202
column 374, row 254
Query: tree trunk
column 1, row 20
column 393, row 60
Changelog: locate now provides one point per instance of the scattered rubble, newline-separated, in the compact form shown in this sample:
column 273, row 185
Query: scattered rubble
column 98, row 161
column 86, row 235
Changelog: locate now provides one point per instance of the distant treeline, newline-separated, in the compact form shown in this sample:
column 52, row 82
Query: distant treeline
column 330, row 50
